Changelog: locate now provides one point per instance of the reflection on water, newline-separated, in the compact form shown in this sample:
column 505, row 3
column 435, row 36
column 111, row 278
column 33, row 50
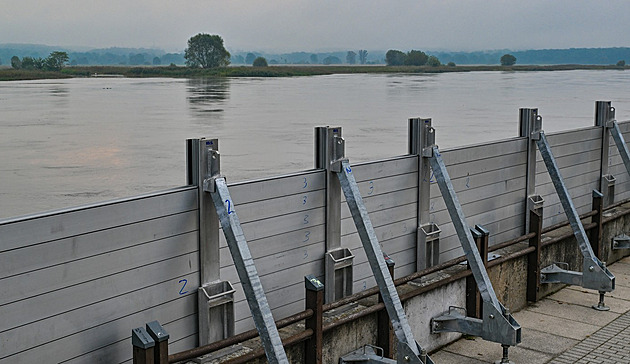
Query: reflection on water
column 208, row 94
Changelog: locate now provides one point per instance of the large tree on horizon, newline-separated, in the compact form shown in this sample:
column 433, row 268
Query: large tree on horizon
column 507, row 60
column 206, row 51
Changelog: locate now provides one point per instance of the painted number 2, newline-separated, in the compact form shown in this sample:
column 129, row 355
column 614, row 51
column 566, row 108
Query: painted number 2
column 229, row 206
column 181, row 291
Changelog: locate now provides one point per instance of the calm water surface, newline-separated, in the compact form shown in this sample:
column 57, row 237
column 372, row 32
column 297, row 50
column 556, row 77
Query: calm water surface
column 71, row 142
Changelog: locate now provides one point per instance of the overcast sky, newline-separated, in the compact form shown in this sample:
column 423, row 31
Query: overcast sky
column 320, row 25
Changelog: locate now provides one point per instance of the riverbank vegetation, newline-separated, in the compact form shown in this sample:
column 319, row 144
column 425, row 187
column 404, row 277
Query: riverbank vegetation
column 7, row 74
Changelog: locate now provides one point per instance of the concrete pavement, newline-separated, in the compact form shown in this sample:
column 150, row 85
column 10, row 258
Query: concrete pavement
column 561, row 329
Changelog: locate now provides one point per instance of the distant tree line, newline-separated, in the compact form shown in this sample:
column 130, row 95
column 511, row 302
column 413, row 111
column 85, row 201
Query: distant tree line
column 394, row 57
column 141, row 56
column 54, row 62
column 349, row 57
column 603, row 56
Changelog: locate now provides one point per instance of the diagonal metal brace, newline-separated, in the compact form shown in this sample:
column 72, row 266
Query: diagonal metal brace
column 407, row 344
column 621, row 144
column 497, row 324
column 595, row 275
column 261, row 313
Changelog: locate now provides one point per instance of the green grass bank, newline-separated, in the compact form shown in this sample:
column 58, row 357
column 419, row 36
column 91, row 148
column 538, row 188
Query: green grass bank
column 8, row 74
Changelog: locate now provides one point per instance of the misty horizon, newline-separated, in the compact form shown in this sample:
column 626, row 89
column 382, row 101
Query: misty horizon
column 282, row 26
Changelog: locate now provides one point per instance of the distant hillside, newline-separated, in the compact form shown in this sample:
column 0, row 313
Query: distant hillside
column 143, row 56
column 599, row 56
column 86, row 56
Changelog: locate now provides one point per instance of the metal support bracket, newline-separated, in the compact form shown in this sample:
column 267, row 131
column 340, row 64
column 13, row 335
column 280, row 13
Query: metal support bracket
column 250, row 281
column 594, row 273
column 621, row 242
column 216, row 305
column 372, row 354
column 497, row 324
column 408, row 349
column 555, row 274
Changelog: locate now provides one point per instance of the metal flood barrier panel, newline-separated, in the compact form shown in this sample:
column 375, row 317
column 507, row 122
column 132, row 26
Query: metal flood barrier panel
column 578, row 154
column 490, row 183
column 76, row 282
column 73, row 283
column 389, row 190
column 283, row 221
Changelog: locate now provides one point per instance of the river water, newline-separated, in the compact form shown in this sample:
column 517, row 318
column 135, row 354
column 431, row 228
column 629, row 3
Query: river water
column 71, row 142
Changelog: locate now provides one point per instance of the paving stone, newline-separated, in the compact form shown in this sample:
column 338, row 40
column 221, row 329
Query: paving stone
column 554, row 325
column 487, row 351
column 546, row 342
column 562, row 329
column 444, row 356
column 588, row 298
column 573, row 312
column 622, row 274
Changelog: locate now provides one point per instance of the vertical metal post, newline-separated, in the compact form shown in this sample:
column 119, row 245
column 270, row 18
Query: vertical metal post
column 534, row 258
column 313, row 346
column 473, row 297
column 595, row 234
column 216, row 321
column 200, row 153
column 603, row 118
column 142, row 346
column 160, row 336
column 385, row 333
column 329, row 147
column 529, row 124
column 421, row 137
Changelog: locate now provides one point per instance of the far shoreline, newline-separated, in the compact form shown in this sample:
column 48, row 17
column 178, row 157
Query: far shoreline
column 9, row 74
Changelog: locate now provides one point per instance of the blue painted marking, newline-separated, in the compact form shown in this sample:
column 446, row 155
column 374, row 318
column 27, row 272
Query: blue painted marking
column 305, row 253
column 468, row 180
column 348, row 169
column 304, row 200
column 305, row 183
column 181, row 291
column 306, row 219
column 306, row 237
column 229, row 206
column 371, row 188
